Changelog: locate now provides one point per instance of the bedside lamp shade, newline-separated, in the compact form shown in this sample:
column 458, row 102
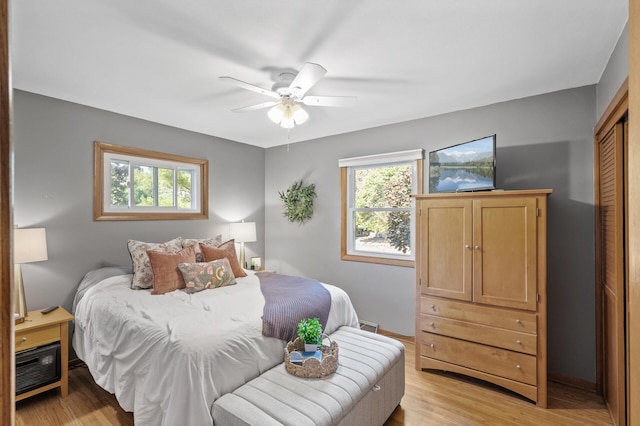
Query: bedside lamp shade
column 243, row 232
column 29, row 245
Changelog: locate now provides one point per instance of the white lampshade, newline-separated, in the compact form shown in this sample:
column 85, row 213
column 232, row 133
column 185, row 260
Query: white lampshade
column 243, row 232
column 29, row 245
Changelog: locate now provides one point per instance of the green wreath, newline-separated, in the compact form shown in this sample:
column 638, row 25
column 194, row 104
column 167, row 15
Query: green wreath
column 298, row 202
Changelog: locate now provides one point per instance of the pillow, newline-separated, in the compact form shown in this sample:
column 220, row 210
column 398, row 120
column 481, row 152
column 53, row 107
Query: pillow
column 226, row 249
column 166, row 275
column 195, row 243
column 142, row 274
column 200, row 276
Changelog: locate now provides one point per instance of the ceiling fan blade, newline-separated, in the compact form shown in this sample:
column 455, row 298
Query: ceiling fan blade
column 306, row 78
column 255, row 107
column 249, row 86
column 331, row 101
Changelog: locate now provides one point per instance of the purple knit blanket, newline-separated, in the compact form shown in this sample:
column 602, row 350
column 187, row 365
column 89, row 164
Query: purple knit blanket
column 291, row 299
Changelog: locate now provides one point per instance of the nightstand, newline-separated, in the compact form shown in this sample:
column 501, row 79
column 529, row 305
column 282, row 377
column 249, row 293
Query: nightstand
column 39, row 330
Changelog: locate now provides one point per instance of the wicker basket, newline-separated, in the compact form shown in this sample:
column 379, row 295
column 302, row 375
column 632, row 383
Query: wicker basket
column 312, row 367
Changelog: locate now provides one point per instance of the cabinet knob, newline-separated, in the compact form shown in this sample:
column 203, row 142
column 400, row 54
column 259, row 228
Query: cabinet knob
column 433, row 307
column 518, row 367
column 433, row 325
column 432, row 346
column 518, row 342
column 467, row 246
column 518, row 322
column 24, row 339
column 477, row 247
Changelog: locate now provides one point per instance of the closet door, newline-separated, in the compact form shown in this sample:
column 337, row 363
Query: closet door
column 610, row 245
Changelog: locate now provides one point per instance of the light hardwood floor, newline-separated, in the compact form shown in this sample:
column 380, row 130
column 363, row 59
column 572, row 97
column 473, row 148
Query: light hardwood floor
column 431, row 398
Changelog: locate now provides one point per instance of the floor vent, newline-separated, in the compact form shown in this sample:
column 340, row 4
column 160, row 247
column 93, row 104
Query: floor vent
column 368, row 326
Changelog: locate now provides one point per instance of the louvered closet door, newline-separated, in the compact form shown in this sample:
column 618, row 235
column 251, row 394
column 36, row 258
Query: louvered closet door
column 611, row 272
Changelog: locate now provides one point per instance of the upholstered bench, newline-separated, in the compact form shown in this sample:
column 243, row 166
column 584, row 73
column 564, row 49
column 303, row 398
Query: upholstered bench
column 365, row 389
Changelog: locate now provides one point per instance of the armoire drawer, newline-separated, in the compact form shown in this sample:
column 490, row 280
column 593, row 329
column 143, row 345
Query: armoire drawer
column 499, row 362
column 524, row 322
column 498, row 337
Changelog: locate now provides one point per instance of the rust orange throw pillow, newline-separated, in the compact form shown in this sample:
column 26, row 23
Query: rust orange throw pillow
column 228, row 250
column 166, row 275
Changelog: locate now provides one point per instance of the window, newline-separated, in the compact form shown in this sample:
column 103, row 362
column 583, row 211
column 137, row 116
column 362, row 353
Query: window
column 136, row 184
column 377, row 211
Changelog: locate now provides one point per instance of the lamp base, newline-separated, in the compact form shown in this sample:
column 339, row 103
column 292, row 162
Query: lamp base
column 18, row 320
column 19, row 301
column 242, row 258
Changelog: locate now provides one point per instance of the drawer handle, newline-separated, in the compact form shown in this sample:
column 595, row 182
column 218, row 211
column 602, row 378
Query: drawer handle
column 518, row 322
column 376, row 388
column 433, row 346
column 433, row 325
column 433, row 307
column 518, row 367
column 24, row 339
column 518, row 342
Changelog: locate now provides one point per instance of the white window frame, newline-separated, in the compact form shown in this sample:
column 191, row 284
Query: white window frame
column 348, row 167
column 103, row 210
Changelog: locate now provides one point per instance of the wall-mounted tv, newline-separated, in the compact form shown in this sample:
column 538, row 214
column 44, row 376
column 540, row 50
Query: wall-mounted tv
column 469, row 166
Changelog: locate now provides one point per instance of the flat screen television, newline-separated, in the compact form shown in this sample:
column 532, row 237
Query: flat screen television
column 469, row 166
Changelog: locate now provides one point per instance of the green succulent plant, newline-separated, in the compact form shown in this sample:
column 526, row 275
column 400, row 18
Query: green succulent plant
column 310, row 331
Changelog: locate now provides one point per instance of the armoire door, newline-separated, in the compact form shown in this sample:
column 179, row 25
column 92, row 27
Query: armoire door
column 610, row 246
column 445, row 232
column 505, row 252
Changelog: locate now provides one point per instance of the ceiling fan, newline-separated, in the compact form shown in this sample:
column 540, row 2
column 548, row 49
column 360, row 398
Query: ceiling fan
column 289, row 91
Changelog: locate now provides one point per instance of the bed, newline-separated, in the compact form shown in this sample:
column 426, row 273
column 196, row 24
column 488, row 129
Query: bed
column 168, row 357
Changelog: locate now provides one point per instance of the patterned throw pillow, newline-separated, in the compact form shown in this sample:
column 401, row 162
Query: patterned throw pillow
column 195, row 243
column 226, row 249
column 166, row 275
column 200, row 276
column 142, row 273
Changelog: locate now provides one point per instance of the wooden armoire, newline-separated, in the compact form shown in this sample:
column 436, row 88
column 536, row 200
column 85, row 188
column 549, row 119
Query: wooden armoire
column 481, row 287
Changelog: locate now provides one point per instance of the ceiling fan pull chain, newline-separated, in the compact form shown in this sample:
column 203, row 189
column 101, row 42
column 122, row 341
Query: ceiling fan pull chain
column 288, row 138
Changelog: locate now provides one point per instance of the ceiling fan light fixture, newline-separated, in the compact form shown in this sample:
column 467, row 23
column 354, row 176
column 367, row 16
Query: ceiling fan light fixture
column 287, row 113
column 287, row 123
column 276, row 113
column 299, row 114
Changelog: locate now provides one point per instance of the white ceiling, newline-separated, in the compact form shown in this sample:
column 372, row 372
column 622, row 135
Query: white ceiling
column 160, row 60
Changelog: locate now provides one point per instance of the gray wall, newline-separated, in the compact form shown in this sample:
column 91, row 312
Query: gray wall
column 614, row 74
column 54, row 189
column 543, row 142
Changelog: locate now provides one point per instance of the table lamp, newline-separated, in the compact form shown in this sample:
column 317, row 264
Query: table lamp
column 243, row 232
column 29, row 245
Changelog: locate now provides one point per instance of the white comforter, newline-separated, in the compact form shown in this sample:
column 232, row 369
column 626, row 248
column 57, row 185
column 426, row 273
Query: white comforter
column 168, row 357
